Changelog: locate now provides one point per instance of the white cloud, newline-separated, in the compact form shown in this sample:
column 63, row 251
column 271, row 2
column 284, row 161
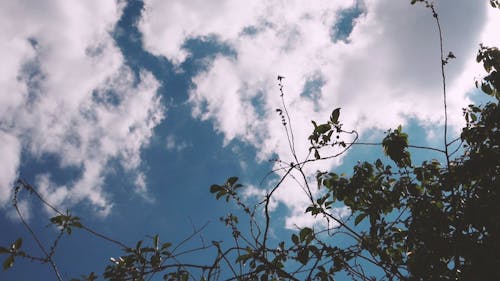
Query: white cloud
column 24, row 208
column 387, row 73
column 10, row 150
column 172, row 143
column 68, row 93
column 299, row 219
column 167, row 24
column 141, row 187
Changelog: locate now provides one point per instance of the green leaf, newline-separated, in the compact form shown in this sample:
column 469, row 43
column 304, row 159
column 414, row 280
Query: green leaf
column 57, row 219
column 165, row 245
column 359, row 218
column 295, row 239
column 17, row 245
column 77, row 225
column 4, row 250
column 395, row 146
column 8, row 263
column 232, row 180
column 147, row 250
column 156, row 241
column 243, row 258
column 138, row 245
column 215, row 188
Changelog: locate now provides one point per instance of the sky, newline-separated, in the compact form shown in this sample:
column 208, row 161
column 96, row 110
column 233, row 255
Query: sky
column 125, row 112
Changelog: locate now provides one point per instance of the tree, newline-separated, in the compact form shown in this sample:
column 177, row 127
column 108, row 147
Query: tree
column 433, row 221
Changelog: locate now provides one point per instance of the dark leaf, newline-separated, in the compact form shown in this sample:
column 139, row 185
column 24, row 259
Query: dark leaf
column 303, row 256
column 323, row 128
column 360, row 218
column 305, row 233
column 334, row 118
column 316, row 154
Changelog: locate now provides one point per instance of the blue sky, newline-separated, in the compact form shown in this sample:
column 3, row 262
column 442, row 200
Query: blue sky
column 126, row 112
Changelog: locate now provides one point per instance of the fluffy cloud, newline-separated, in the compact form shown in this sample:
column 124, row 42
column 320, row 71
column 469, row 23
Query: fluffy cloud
column 10, row 151
column 385, row 73
column 167, row 24
column 67, row 93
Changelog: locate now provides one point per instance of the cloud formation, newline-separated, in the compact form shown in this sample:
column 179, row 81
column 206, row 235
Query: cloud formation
column 173, row 143
column 67, row 92
column 386, row 72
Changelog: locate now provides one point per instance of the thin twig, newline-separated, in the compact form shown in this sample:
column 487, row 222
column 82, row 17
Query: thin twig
column 443, row 79
column 30, row 230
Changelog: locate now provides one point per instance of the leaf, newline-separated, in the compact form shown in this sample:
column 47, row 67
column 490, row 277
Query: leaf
column 8, row 263
column 315, row 125
column 215, row 188
column 77, row 224
column 156, row 241
column 57, row 219
column 155, row 260
column 323, row 128
column 486, row 88
column 138, row 245
column 4, row 250
column 334, row 118
column 316, row 154
column 17, row 245
column 91, row 277
column 304, row 233
column 395, row 146
column 303, row 256
column 295, row 239
column 231, row 181
column 359, row 218
column 243, row 258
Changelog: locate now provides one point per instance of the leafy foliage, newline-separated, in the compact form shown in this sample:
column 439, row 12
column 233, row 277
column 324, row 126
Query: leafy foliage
column 396, row 147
